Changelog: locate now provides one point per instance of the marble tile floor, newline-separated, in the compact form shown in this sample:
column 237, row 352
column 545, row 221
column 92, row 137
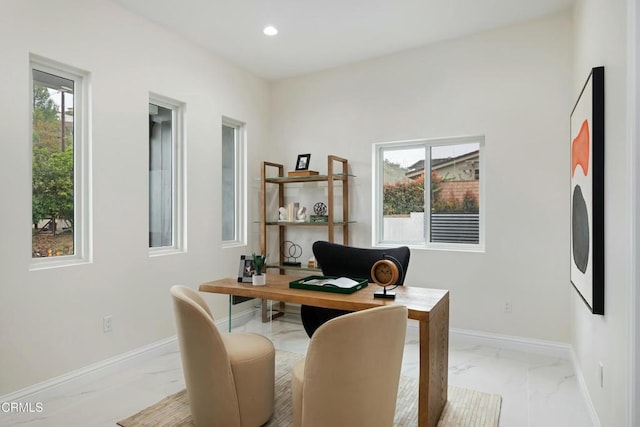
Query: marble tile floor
column 536, row 390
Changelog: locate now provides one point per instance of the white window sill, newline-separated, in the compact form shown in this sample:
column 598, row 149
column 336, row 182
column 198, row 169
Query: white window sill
column 47, row 263
column 157, row 252
column 233, row 244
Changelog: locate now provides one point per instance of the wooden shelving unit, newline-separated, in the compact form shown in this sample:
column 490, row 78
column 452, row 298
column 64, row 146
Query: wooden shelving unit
column 273, row 174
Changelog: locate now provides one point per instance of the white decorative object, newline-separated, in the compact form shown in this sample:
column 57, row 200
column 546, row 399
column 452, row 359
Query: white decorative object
column 282, row 214
column 259, row 279
column 301, row 215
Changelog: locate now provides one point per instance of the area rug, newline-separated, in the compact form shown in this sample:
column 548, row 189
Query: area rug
column 464, row 407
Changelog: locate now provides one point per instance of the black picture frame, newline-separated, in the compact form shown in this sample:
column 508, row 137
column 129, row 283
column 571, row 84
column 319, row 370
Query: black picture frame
column 302, row 164
column 587, row 243
column 245, row 271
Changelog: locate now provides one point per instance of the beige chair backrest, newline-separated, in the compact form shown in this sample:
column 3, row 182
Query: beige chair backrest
column 206, row 365
column 352, row 369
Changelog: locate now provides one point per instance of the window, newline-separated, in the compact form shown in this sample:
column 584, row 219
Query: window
column 59, row 199
column 232, row 182
column 165, row 175
column 439, row 209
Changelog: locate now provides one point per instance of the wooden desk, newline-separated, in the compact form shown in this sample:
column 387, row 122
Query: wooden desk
column 430, row 307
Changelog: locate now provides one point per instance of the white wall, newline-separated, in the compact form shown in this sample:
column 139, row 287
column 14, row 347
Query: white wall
column 511, row 85
column 516, row 86
column 600, row 39
column 51, row 320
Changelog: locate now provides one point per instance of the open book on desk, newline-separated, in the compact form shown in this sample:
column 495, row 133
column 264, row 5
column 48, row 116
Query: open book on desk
column 344, row 285
column 339, row 282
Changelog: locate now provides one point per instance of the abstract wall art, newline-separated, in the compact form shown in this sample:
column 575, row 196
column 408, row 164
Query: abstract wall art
column 587, row 192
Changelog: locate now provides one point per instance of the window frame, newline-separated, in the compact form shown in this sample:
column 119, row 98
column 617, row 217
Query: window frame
column 178, row 169
column 240, row 196
column 377, row 229
column 82, row 224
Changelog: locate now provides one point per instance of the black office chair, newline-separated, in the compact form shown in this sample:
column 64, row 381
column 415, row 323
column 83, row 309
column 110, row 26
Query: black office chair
column 340, row 260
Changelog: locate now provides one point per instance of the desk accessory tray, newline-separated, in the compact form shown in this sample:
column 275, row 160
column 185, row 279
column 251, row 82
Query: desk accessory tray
column 303, row 284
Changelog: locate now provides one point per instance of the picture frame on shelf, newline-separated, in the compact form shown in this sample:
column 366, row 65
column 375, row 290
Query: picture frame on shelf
column 302, row 164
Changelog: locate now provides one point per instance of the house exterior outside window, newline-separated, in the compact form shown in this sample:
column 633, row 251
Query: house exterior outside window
column 441, row 209
column 60, row 231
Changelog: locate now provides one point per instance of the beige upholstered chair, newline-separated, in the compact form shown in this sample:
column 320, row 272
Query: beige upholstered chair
column 351, row 373
column 229, row 377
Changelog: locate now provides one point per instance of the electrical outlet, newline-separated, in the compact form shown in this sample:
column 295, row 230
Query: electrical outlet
column 507, row 306
column 107, row 324
column 601, row 374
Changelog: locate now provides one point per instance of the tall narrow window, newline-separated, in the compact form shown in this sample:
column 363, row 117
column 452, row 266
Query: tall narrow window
column 232, row 182
column 165, row 175
column 58, row 197
column 429, row 193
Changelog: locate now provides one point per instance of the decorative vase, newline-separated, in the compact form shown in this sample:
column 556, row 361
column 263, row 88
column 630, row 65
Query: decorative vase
column 259, row 279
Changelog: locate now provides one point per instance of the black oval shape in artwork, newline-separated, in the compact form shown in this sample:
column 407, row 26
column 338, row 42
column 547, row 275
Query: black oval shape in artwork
column 580, row 230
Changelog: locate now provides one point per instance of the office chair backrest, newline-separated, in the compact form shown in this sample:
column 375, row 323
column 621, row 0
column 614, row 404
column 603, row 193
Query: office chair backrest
column 340, row 260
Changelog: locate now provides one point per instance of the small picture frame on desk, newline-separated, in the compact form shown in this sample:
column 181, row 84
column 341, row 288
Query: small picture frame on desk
column 245, row 271
column 302, row 164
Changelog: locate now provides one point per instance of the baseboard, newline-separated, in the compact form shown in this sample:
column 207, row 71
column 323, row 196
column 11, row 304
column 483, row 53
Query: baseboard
column 508, row 342
column 582, row 385
column 45, row 390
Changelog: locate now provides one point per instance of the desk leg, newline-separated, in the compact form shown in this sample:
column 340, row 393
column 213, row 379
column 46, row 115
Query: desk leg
column 230, row 303
column 434, row 365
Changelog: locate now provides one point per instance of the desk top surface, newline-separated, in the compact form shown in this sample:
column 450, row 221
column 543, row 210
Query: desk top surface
column 421, row 302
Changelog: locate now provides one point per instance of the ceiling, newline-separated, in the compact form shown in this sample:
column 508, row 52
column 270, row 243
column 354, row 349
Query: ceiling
column 317, row 35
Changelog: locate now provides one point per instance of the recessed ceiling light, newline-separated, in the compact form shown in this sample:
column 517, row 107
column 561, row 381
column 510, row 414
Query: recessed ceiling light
column 270, row 30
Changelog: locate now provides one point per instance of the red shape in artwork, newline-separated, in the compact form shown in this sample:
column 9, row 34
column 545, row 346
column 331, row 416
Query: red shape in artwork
column 580, row 150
